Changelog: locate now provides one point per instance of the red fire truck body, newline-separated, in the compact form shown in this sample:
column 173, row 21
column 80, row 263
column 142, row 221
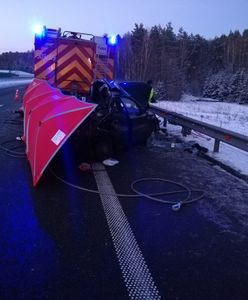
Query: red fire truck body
column 71, row 61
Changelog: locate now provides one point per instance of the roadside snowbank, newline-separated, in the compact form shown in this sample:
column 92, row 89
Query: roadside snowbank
column 231, row 116
column 235, row 158
column 4, row 83
column 18, row 73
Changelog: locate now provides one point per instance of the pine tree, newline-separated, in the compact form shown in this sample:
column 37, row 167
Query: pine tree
column 139, row 42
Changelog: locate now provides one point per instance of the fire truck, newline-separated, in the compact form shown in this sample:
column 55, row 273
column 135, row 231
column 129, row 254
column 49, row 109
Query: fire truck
column 72, row 61
column 84, row 65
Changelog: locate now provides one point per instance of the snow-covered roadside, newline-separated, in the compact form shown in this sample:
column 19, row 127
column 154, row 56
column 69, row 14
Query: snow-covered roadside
column 235, row 158
column 231, row 116
column 4, row 83
column 18, row 73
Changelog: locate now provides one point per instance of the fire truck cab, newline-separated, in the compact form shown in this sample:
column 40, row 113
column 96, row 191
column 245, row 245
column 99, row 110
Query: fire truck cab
column 72, row 61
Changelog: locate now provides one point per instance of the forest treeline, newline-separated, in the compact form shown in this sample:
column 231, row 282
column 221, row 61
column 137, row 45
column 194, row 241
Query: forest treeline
column 176, row 62
column 21, row 61
column 182, row 62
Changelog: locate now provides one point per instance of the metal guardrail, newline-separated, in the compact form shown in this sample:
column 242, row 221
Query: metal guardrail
column 219, row 134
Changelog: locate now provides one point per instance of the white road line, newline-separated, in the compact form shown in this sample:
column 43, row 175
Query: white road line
column 137, row 277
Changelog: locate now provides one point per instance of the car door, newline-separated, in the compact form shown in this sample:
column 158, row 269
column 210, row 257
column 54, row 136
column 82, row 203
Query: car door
column 131, row 125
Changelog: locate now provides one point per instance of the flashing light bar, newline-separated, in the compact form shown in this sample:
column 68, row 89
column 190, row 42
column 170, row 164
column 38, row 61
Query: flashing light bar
column 112, row 40
column 39, row 30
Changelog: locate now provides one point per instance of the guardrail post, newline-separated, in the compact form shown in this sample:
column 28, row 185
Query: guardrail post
column 216, row 145
column 219, row 134
column 185, row 131
column 165, row 122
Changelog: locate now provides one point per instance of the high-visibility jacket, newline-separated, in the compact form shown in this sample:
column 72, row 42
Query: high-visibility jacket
column 151, row 95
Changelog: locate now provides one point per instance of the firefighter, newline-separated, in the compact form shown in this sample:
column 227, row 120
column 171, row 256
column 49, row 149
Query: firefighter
column 151, row 98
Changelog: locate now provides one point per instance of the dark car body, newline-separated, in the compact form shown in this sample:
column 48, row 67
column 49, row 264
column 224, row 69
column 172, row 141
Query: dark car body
column 119, row 121
column 138, row 90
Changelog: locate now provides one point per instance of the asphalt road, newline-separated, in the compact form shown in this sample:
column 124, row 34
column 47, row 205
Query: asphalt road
column 60, row 242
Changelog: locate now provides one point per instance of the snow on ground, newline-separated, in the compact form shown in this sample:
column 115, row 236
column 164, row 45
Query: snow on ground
column 13, row 82
column 231, row 116
column 23, row 74
column 229, row 155
column 18, row 73
column 189, row 98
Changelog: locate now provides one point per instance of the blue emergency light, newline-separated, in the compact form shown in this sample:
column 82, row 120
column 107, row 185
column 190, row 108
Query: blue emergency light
column 39, row 30
column 112, row 40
